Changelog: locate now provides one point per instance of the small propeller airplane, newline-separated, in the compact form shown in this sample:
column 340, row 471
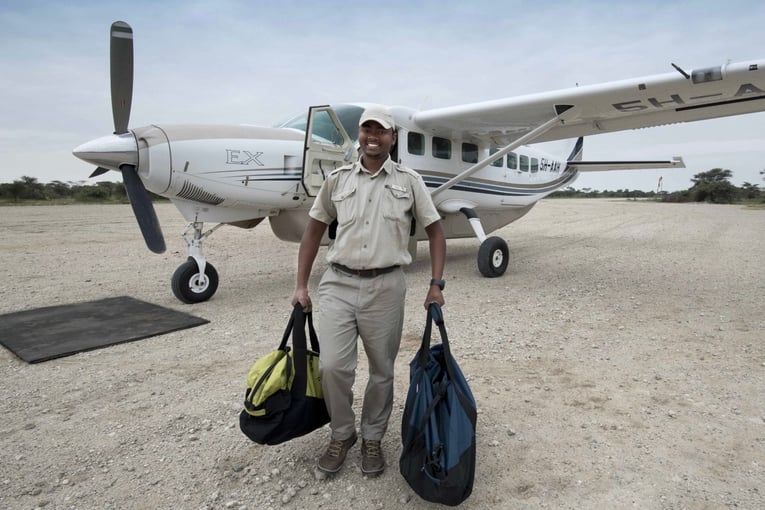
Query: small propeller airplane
column 476, row 158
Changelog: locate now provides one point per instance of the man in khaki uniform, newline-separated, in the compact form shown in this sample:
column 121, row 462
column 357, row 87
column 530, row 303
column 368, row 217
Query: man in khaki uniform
column 362, row 292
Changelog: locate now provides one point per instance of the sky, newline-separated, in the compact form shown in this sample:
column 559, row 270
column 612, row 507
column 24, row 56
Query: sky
column 259, row 62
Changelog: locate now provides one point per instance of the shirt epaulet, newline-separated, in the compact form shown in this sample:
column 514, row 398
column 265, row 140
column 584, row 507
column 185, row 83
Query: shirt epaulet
column 343, row 168
column 404, row 169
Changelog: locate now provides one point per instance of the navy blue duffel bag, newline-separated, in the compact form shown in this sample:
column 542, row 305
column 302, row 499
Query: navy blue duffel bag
column 438, row 428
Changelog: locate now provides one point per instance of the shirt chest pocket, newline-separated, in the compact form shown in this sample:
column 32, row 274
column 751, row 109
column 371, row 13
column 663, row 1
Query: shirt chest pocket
column 397, row 202
column 344, row 202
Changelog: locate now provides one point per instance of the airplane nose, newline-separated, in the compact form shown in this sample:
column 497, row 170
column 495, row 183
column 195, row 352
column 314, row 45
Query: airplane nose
column 110, row 151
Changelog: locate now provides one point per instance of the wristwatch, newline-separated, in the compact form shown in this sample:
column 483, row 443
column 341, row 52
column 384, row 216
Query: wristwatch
column 439, row 283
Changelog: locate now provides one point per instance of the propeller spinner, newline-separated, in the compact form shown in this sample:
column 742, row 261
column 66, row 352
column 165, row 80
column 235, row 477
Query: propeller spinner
column 120, row 151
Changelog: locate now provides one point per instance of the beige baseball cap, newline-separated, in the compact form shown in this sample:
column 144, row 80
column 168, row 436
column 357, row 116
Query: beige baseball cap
column 379, row 114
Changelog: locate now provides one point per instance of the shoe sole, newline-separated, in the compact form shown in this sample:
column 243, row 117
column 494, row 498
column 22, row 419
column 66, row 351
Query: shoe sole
column 327, row 471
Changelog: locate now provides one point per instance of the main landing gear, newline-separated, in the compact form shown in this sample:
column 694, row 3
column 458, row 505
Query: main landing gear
column 195, row 280
column 493, row 255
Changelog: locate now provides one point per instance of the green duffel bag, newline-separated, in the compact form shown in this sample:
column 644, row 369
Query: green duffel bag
column 284, row 399
column 270, row 376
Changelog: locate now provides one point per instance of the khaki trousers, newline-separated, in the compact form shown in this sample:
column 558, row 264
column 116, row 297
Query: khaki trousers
column 373, row 309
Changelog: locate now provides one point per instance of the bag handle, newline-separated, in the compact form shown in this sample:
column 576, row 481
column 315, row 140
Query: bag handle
column 435, row 314
column 300, row 352
column 301, row 317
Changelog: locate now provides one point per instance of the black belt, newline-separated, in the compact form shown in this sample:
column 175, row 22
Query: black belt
column 363, row 273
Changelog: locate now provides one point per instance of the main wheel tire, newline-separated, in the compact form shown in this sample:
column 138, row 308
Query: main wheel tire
column 493, row 257
column 191, row 287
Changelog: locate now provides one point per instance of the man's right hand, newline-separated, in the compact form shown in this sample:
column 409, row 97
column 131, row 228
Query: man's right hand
column 301, row 296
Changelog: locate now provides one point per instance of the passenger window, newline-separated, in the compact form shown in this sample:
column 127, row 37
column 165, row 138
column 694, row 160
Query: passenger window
column 524, row 163
column 498, row 161
column 415, row 143
column 469, row 153
column 534, row 165
column 442, row 148
column 512, row 160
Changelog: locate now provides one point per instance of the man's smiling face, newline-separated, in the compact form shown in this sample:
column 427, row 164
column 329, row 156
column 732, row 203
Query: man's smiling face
column 375, row 141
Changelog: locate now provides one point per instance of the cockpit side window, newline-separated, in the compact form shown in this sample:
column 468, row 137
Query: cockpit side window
column 348, row 114
column 325, row 129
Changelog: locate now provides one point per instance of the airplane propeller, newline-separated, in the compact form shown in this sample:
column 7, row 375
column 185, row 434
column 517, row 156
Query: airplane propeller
column 118, row 148
column 121, row 73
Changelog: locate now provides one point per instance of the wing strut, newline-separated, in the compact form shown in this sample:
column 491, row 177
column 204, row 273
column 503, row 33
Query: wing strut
column 562, row 113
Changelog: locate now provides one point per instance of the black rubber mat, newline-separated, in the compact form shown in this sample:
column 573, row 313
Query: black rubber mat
column 55, row 331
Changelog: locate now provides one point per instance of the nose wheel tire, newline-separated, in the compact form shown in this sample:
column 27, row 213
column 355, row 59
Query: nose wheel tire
column 190, row 286
column 493, row 257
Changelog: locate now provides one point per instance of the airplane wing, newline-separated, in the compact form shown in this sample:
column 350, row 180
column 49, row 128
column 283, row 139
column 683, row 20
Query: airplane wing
column 674, row 97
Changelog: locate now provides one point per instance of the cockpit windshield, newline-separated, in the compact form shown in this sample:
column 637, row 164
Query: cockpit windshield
column 324, row 128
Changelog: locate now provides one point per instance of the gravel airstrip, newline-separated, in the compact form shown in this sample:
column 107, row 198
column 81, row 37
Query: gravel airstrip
column 619, row 363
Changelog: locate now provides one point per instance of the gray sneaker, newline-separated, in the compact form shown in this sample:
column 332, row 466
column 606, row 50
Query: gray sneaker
column 372, row 460
column 334, row 456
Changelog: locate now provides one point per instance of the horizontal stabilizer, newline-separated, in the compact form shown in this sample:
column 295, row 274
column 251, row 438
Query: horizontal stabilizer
column 605, row 166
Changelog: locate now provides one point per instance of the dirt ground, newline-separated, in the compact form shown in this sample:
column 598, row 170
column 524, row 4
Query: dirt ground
column 619, row 363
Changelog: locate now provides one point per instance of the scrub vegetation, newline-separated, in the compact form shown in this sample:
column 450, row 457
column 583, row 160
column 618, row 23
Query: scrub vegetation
column 28, row 191
column 712, row 186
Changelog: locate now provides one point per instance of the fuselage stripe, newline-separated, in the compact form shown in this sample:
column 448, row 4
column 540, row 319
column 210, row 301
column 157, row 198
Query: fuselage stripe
column 473, row 187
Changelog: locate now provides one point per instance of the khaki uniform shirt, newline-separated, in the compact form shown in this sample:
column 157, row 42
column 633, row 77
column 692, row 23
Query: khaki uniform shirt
column 374, row 214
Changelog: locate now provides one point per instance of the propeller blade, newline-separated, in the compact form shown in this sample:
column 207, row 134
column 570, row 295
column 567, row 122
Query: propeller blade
column 98, row 171
column 121, row 62
column 143, row 209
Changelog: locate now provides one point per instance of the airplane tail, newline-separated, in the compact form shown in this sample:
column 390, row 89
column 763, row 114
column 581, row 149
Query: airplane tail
column 575, row 162
column 577, row 150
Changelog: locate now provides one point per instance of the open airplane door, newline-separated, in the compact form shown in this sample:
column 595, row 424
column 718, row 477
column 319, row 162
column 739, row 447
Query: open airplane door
column 327, row 146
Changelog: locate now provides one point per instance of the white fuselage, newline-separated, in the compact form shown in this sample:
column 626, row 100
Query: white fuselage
column 234, row 174
column 237, row 174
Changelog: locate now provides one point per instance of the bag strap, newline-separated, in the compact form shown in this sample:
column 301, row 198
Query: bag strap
column 300, row 351
column 436, row 314
column 287, row 332
column 297, row 321
column 315, row 347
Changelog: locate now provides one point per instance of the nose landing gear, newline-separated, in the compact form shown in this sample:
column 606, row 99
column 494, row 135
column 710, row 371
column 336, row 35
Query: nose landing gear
column 195, row 280
column 192, row 286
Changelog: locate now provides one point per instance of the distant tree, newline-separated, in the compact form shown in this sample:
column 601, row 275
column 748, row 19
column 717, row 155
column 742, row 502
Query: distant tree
column 750, row 191
column 15, row 190
column 713, row 176
column 26, row 188
column 713, row 186
column 107, row 188
column 57, row 189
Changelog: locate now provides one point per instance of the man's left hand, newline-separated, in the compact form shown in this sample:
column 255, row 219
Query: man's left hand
column 435, row 295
